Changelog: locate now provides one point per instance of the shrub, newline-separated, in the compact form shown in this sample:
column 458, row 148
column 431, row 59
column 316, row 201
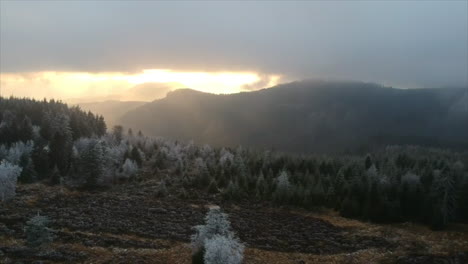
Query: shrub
column 37, row 232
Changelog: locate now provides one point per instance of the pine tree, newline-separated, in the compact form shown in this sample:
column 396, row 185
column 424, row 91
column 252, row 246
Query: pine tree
column 26, row 130
column 232, row 191
column 136, row 156
column 28, row 174
column 8, row 178
column 92, row 162
column 215, row 242
column 368, row 163
column 117, row 132
column 223, row 250
column 261, row 186
column 444, row 200
column 61, row 143
column 40, row 158
column 37, row 232
column 283, row 188
column 129, row 169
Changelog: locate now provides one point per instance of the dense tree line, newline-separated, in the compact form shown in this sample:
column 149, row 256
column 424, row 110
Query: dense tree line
column 394, row 184
column 47, row 140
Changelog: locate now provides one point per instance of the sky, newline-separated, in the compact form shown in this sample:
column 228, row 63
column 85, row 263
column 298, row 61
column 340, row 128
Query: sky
column 103, row 49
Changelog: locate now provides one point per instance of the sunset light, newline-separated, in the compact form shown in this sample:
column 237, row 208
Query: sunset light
column 111, row 85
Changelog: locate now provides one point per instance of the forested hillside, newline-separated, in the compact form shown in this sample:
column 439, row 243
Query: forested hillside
column 65, row 179
column 48, row 141
column 311, row 117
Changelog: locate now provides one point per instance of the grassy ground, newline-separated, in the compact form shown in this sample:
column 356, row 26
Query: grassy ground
column 128, row 232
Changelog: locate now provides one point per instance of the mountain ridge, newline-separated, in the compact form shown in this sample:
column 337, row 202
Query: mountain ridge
column 308, row 116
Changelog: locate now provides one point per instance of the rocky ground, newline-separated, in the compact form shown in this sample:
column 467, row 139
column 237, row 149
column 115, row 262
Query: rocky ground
column 130, row 224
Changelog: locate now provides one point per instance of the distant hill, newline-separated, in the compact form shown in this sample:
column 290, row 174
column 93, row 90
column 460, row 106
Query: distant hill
column 111, row 110
column 310, row 116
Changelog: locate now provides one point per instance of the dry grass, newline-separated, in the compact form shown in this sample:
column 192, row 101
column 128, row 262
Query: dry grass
column 6, row 241
column 409, row 238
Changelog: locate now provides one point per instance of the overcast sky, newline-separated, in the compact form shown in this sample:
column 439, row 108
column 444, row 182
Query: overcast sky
column 412, row 44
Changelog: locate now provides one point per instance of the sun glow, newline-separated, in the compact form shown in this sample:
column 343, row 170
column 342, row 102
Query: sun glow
column 114, row 85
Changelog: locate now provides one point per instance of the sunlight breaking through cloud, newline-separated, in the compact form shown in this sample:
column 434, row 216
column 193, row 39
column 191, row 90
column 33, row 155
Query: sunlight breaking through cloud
column 115, row 85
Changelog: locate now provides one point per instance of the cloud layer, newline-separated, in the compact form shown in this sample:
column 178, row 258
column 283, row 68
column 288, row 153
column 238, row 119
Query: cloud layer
column 412, row 44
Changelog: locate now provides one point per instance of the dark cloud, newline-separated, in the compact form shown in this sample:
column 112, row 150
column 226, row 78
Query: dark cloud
column 412, row 43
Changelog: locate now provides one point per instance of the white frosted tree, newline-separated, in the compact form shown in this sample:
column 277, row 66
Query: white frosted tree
column 214, row 242
column 283, row 188
column 9, row 174
column 226, row 158
column 129, row 169
column 223, row 250
column 216, row 223
column 16, row 151
column 113, row 161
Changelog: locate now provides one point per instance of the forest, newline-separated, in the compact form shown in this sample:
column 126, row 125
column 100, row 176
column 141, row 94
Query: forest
column 50, row 142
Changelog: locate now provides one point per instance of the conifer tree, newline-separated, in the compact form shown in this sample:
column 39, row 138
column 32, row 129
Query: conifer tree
column 37, row 232
column 444, row 199
column 8, row 178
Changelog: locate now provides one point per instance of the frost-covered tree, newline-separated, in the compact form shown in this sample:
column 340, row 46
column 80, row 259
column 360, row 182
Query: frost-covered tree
column 223, row 250
column 129, row 169
column 226, row 158
column 38, row 233
column 216, row 225
column 16, row 151
column 283, row 188
column 8, row 178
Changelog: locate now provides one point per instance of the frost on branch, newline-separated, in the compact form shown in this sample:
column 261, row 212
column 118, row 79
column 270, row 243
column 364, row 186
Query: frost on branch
column 8, row 177
column 223, row 250
column 214, row 242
